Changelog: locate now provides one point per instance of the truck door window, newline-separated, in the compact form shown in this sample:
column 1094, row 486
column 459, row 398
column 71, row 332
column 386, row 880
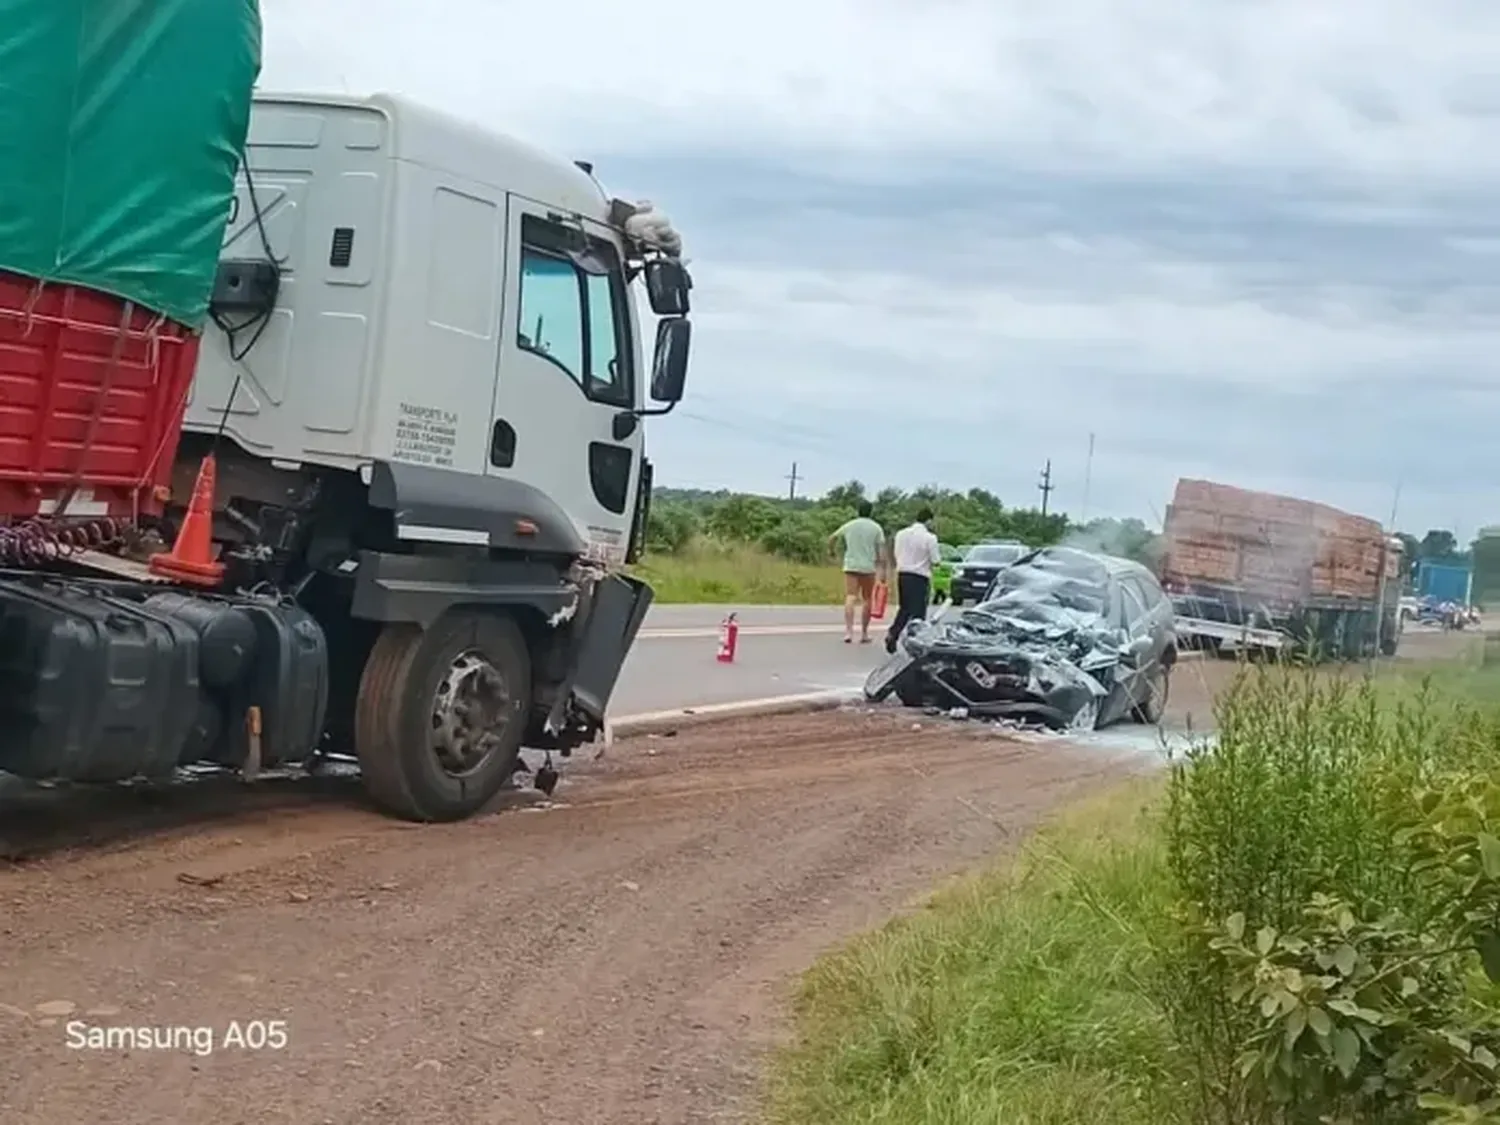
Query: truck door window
column 609, row 370
column 551, row 318
column 573, row 317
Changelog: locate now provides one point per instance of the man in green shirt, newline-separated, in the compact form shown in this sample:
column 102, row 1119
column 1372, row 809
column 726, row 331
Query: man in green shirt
column 864, row 557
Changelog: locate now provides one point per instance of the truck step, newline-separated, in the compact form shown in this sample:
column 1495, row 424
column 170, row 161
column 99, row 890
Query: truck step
column 116, row 567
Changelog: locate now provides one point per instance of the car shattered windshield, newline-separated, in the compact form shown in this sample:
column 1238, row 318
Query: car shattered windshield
column 1047, row 582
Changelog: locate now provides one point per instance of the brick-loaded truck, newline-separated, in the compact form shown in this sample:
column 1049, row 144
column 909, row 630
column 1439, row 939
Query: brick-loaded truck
column 1257, row 572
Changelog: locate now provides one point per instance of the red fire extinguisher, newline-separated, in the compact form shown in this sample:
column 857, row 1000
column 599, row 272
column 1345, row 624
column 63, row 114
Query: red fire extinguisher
column 879, row 600
column 729, row 639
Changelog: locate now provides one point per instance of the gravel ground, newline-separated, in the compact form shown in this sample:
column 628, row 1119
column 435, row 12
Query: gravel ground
column 618, row 957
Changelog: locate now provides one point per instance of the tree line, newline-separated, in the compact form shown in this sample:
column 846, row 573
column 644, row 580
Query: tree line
column 798, row 529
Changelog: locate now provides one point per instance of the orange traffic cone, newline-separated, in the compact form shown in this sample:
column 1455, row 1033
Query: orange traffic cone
column 191, row 558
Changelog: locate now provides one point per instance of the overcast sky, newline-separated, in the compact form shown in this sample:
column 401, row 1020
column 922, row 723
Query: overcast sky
column 942, row 241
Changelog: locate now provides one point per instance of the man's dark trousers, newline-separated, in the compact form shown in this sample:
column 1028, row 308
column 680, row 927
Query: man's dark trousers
column 912, row 592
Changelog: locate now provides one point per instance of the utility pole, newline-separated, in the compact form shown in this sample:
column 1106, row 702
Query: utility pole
column 1046, row 486
column 1088, row 479
column 793, row 478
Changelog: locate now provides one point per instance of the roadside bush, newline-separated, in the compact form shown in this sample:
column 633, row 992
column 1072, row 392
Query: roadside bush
column 746, row 518
column 1335, row 856
column 799, row 538
column 671, row 527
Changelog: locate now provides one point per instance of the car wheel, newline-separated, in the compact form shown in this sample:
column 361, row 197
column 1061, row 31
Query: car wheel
column 1154, row 706
column 954, row 601
column 1086, row 718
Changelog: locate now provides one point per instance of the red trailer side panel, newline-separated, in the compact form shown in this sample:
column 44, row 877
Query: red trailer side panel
column 91, row 400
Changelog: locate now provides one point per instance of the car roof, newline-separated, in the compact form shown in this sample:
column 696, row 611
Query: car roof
column 1113, row 565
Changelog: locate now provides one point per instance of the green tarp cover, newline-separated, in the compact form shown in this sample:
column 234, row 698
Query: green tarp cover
column 121, row 125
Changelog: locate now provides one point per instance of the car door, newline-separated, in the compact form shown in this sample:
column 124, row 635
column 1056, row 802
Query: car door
column 1163, row 617
column 1137, row 622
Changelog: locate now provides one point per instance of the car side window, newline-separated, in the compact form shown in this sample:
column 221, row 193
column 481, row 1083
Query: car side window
column 1155, row 598
column 1135, row 606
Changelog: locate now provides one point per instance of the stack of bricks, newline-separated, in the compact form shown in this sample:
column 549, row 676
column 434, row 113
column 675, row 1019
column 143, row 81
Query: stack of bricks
column 1282, row 548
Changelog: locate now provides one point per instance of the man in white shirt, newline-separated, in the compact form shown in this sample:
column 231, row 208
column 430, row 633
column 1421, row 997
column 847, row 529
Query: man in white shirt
column 916, row 552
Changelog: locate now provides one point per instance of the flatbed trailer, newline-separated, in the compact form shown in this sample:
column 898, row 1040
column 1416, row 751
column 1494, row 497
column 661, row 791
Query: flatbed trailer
column 1202, row 634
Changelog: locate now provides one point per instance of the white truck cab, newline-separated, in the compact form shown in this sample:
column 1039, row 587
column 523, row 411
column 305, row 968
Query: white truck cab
column 419, row 291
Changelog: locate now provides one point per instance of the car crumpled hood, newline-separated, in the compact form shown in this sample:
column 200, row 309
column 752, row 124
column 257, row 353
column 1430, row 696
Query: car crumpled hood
column 1042, row 638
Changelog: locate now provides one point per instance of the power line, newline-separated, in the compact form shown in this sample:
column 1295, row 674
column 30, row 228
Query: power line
column 798, row 438
column 784, row 436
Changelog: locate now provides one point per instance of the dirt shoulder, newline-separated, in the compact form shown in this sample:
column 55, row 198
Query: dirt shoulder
column 616, row 958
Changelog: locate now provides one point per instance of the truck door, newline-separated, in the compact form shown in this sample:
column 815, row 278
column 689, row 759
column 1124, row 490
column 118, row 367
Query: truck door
column 568, row 373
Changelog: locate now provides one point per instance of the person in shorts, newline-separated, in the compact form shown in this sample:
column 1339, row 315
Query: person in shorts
column 864, row 558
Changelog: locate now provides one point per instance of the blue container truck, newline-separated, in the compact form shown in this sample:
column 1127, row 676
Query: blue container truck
column 1445, row 582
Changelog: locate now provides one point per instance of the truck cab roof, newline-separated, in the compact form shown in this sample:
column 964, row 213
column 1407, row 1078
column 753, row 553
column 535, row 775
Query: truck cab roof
column 432, row 137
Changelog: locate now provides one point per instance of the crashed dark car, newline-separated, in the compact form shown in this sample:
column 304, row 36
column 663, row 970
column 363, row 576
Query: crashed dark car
column 1063, row 637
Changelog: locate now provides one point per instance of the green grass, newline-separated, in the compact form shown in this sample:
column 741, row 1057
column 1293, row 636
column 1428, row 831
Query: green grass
column 1060, row 987
column 708, row 572
column 1011, row 998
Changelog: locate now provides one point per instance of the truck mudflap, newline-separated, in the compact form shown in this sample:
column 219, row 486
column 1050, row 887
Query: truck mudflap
column 616, row 609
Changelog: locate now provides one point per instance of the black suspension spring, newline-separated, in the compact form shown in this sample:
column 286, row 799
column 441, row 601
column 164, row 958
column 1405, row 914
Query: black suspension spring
column 36, row 541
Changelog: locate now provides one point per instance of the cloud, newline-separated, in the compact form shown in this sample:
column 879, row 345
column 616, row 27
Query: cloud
column 945, row 242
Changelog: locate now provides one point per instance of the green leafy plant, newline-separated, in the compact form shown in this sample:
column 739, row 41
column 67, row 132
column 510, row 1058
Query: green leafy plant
column 1335, row 853
column 1359, row 1020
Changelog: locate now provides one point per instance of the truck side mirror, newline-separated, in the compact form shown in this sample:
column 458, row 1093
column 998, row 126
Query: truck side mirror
column 667, row 285
column 669, row 365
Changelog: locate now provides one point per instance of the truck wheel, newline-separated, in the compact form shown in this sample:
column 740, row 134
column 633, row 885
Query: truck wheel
column 441, row 715
column 1158, row 684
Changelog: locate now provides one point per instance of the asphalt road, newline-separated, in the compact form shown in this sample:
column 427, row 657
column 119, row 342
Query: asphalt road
column 791, row 650
column 783, row 650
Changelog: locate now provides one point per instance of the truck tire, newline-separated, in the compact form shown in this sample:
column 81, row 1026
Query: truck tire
column 441, row 714
column 1158, row 685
